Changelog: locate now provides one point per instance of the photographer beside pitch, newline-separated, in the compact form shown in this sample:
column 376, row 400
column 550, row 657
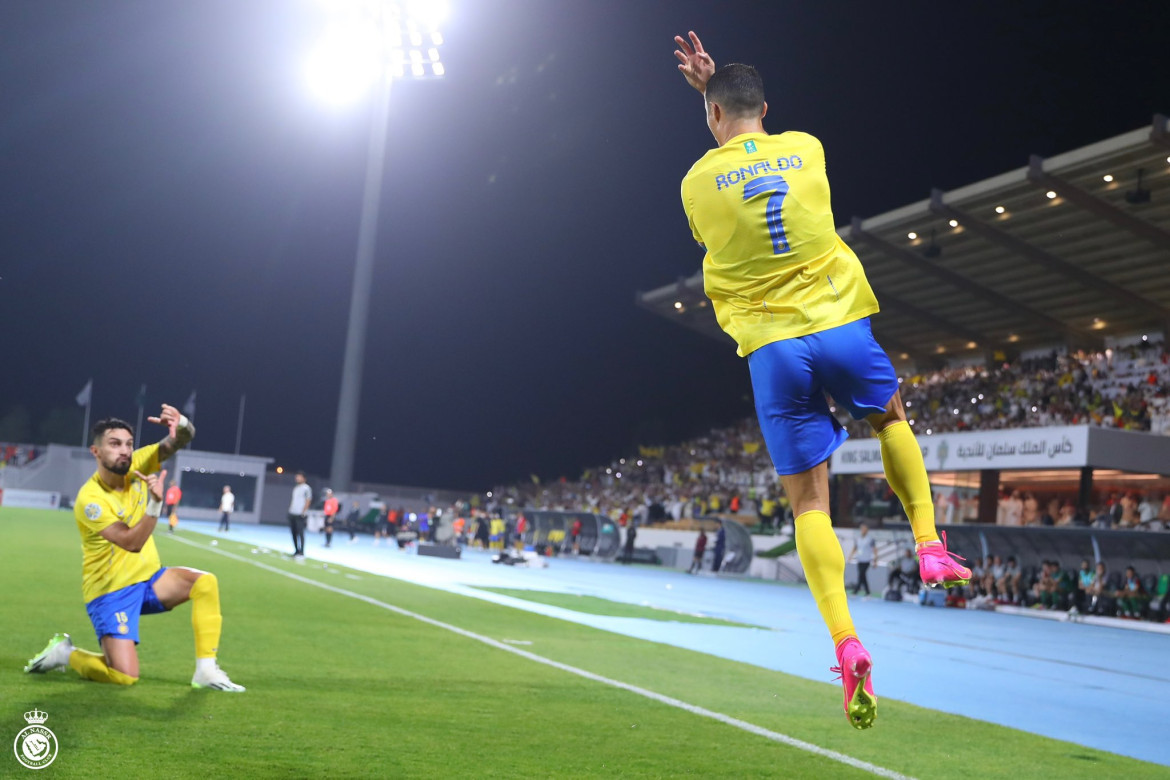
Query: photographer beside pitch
column 122, row 577
column 795, row 299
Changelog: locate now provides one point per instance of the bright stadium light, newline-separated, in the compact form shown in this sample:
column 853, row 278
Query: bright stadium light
column 912, row 235
column 953, row 223
column 1000, row 209
column 367, row 40
column 366, row 46
column 1108, row 177
column 345, row 65
column 1051, row 194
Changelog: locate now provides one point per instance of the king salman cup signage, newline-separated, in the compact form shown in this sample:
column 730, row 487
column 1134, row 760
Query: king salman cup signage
column 1019, row 448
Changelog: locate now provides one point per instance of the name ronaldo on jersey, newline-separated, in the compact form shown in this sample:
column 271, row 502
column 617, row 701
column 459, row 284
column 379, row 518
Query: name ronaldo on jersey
column 741, row 174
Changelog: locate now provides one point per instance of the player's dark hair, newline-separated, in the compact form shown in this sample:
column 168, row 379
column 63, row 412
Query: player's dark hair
column 738, row 89
column 109, row 424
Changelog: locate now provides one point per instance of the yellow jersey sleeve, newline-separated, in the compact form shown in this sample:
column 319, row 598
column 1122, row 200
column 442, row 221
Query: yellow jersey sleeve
column 105, row 566
column 145, row 459
column 775, row 267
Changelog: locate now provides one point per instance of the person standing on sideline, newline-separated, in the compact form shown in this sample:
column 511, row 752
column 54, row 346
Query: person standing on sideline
column 351, row 521
column 227, row 505
column 575, row 534
column 795, row 299
column 720, row 547
column 521, row 529
column 631, row 535
column 332, row 507
column 174, row 496
column 865, row 553
column 122, row 578
column 700, row 548
column 298, row 511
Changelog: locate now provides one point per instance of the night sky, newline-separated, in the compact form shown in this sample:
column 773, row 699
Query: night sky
column 180, row 211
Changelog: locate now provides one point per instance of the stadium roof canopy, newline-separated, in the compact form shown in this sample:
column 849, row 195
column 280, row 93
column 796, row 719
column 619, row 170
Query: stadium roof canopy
column 1065, row 250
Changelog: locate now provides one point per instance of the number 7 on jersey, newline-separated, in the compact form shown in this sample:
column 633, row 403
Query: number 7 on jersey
column 776, row 187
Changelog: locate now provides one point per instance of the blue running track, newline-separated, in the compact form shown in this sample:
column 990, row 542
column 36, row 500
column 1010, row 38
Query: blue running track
column 1089, row 685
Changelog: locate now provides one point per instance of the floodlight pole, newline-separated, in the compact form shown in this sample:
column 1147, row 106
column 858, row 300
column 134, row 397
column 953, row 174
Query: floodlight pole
column 345, row 437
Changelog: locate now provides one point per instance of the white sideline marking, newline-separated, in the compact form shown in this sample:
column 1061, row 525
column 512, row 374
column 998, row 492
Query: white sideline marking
column 775, row 736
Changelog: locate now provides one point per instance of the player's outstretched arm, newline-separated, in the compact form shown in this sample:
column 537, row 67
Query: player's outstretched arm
column 695, row 63
column 182, row 431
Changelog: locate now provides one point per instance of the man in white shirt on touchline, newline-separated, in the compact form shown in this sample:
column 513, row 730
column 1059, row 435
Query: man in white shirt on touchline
column 298, row 512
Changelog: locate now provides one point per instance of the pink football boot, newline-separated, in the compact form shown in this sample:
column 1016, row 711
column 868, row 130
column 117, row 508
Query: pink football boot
column 939, row 566
column 854, row 667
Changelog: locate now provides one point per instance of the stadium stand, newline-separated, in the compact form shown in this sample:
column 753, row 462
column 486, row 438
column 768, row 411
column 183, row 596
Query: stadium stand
column 728, row 471
column 1033, row 299
column 14, row 454
column 1062, row 252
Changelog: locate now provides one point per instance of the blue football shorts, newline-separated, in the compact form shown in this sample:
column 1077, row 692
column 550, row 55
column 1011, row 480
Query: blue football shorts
column 790, row 379
column 116, row 613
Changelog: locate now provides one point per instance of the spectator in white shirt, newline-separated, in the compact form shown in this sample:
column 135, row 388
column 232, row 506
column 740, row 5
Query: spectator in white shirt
column 865, row 553
column 298, row 511
column 227, row 505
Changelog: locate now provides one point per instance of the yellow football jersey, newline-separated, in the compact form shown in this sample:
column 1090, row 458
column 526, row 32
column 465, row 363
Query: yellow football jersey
column 105, row 566
column 775, row 267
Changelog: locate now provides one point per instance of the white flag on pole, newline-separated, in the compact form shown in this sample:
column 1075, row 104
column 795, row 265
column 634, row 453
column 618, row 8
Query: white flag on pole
column 83, row 398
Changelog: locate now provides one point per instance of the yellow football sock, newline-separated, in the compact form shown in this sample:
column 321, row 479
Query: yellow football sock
column 205, row 617
column 92, row 666
column 824, row 568
column 906, row 473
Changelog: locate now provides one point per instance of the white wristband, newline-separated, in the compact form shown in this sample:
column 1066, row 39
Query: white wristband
column 154, row 506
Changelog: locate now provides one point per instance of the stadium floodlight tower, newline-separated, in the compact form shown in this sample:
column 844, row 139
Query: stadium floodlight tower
column 367, row 45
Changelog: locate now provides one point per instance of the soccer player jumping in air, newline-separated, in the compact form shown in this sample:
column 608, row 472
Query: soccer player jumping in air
column 795, row 299
column 122, row 578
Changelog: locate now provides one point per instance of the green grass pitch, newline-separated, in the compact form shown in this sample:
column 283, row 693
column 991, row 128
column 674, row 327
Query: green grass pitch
column 338, row 687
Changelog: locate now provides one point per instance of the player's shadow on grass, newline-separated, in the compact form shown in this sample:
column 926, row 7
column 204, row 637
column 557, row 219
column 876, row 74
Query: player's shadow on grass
column 66, row 695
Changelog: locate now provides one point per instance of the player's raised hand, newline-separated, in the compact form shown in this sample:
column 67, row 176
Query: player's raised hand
column 154, row 482
column 169, row 416
column 695, row 63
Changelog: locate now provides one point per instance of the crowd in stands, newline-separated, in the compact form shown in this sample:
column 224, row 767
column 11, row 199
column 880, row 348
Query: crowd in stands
column 728, row 471
column 17, row 454
column 1087, row 590
column 1131, row 509
column 1127, row 388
